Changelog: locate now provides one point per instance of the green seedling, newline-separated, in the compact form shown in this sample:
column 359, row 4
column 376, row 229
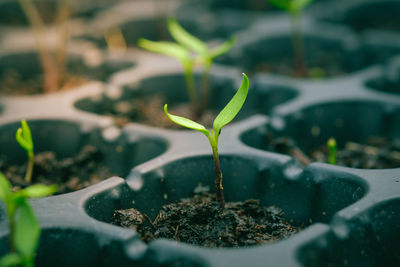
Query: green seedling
column 190, row 51
column 53, row 65
column 295, row 8
column 23, row 225
column 227, row 114
column 24, row 139
column 332, row 147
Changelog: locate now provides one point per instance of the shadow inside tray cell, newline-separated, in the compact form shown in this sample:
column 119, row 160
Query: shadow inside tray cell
column 68, row 154
column 304, row 201
column 381, row 14
column 366, row 133
column 73, row 247
column 20, row 74
column 370, row 242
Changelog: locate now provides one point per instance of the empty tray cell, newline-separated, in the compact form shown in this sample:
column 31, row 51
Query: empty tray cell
column 365, row 132
column 21, row 74
column 74, row 154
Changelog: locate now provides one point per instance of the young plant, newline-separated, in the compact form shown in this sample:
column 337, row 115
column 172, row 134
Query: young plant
column 23, row 225
column 227, row 114
column 332, row 147
column 53, row 65
column 295, row 8
column 24, row 139
column 190, row 51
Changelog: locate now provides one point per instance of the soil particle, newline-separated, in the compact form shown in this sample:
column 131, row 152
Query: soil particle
column 200, row 221
column 377, row 153
column 13, row 84
column 70, row 174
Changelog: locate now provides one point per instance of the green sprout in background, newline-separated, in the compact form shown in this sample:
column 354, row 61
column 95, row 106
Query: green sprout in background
column 190, row 51
column 24, row 139
column 295, row 8
column 332, row 147
column 23, row 225
column 227, row 114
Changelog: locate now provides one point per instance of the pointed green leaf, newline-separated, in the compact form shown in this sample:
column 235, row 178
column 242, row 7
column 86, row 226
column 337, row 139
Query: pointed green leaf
column 5, row 187
column 39, row 190
column 223, row 48
column 27, row 230
column 186, row 122
column 185, row 38
column 165, row 48
column 12, row 259
column 233, row 107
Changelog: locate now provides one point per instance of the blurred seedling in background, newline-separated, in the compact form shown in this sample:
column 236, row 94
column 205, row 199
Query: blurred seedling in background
column 24, row 228
column 53, row 64
column 24, row 139
column 227, row 114
column 332, row 150
column 295, row 8
column 190, row 51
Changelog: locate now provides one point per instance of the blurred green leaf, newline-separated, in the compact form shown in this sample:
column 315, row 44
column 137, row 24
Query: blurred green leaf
column 5, row 187
column 39, row 190
column 24, row 136
column 27, row 230
column 166, row 48
column 185, row 38
column 10, row 260
column 223, row 48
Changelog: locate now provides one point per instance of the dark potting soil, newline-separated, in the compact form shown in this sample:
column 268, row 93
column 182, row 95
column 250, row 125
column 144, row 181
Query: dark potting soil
column 200, row 221
column 377, row 153
column 150, row 111
column 320, row 64
column 11, row 83
column 70, row 174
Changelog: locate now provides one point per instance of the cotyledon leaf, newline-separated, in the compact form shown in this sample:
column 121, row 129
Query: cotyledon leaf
column 186, row 122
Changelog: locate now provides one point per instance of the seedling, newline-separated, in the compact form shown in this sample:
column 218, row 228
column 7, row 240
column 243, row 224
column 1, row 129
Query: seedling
column 53, row 65
column 24, row 139
column 295, row 8
column 23, row 225
column 332, row 147
column 227, row 114
column 190, row 51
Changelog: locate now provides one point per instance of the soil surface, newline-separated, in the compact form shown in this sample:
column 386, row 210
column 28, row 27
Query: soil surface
column 150, row 111
column 200, row 221
column 321, row 64
column 11, row 83
column 378, row 153
column 70, row 174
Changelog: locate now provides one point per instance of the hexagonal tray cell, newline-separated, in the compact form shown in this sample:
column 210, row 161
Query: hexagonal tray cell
column 363, row 15
column 20, row 72
column 325, row 56
column 365, row 131
column 388, row 81
column 75, row 154
column 75, row 247
column 372, row 241
column 143, row 102
column 305, row 199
